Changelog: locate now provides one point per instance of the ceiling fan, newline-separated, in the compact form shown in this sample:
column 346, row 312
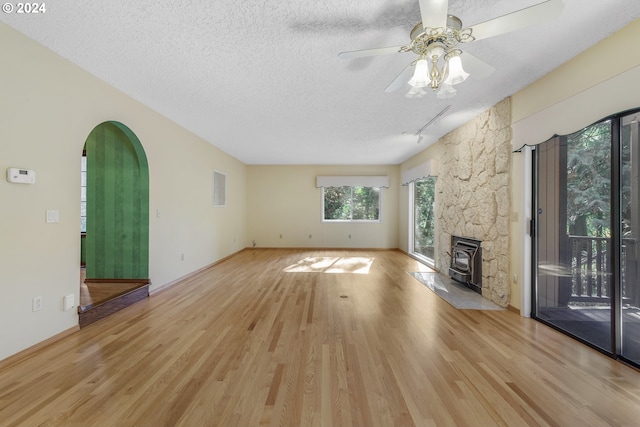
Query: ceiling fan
column 436, row 38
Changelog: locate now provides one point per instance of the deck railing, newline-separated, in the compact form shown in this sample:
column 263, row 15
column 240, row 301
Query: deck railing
column 591, row 272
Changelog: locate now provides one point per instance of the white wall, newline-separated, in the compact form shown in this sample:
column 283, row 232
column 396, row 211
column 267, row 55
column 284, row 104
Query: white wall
column 47, row 108
column 284, row 200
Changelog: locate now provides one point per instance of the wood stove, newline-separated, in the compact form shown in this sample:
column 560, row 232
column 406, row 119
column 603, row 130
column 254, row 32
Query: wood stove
column 466, row 262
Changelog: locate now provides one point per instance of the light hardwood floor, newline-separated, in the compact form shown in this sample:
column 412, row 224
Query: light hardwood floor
column 275, row 337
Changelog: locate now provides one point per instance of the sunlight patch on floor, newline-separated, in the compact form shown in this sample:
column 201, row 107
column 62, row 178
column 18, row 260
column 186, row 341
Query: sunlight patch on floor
column 335, row 265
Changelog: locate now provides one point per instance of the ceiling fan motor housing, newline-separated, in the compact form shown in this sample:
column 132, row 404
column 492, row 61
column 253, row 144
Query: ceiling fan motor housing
column 438, row 41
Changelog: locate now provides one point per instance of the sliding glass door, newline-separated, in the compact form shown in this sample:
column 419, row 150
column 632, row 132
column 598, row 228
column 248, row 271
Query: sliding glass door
column 574, row 229
column 630, row 230
column 587, row 219
column 423, row 217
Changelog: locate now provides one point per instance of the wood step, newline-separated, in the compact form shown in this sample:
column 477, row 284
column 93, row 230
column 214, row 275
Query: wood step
column 95, row 312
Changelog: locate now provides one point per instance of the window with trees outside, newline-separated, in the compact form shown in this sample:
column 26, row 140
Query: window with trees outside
column 424, row 217
column 351, row 203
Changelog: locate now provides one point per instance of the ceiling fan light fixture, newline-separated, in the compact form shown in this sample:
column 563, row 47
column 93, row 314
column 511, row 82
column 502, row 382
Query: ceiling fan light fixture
column 457, row 74
column 421, row 74
column 437, row 36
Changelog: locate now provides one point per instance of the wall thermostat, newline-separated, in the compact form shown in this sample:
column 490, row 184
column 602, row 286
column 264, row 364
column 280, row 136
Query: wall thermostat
column 21, row 176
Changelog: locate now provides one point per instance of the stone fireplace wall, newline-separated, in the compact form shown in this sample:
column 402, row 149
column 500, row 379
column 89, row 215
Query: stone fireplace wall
column 473, row 195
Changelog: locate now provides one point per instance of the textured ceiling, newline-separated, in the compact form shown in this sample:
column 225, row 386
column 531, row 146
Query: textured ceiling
column 261, row 79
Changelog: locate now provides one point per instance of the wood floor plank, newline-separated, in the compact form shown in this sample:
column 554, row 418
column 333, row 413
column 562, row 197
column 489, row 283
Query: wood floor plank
column 282, row 337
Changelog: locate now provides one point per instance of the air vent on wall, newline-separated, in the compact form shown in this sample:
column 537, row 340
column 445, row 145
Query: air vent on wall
column 219, row 189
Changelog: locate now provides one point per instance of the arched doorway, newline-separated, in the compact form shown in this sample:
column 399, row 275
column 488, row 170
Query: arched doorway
column 116, row 246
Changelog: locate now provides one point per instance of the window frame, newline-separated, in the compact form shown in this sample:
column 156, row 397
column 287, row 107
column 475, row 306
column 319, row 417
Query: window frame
column 352, row 187
column 412, row 218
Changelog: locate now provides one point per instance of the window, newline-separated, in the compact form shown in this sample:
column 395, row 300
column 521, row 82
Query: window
column 351, row 203
column 424, row 217
column 421, row 180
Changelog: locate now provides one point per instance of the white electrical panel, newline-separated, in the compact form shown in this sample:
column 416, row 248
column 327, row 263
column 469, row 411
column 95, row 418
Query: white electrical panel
column 21, row 176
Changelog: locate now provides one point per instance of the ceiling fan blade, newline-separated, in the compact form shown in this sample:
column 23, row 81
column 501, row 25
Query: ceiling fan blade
column 517, row 20
column 369, row 52
column 400, row 79
column 434, row 13
column 477, row 68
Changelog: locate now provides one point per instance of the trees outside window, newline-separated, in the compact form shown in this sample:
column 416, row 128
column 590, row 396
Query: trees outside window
column 424, row 217
column 589, row 181
column 349, row 203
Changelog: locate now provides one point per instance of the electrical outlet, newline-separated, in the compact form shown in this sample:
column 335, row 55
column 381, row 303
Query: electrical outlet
column 36, row 304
